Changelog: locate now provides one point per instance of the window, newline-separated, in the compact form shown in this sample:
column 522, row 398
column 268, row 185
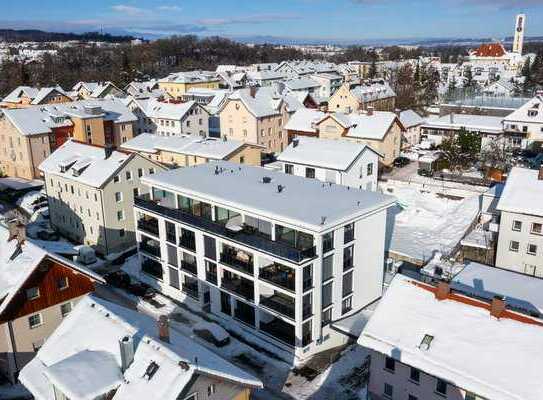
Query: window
column 310, row 173
column 532, row 249
column 388, row 390
column 116, row 178
column 470, row 396
column 349, row 233
column 327, row 268
column 414, row 375
column 326, row 317
column 441, row 387
column 326, row 295
column 517, row 226
column 346, row 305
column 289, row 169
column 347, row 284
column 63, row 283
column 118, row 197
column 514, row 246
column 211, row 389
column 140, row 172
column 348, row 258
column 128, row 175
column 537, row 228
column 369, row 171
column 32, row 293
column 411, row 397
column 34, row 321
column 328, row 242
column 308, row 277
column 120, row 215
column 390, row 364
column 151, row 171
column 65, row 309
column 136, row 192
column 122, row 232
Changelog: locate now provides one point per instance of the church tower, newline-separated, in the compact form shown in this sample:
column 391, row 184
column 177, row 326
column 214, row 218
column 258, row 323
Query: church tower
column 518, row 44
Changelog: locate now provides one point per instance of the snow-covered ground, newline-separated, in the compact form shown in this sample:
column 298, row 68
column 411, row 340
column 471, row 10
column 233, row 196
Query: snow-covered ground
column 426, row 221
column 25, row 202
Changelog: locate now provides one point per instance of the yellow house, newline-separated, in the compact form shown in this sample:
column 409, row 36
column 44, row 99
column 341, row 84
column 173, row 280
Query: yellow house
column 179, row 83
column 25, row 96
column 257, row 115
column 187, row 151
column 360, row 96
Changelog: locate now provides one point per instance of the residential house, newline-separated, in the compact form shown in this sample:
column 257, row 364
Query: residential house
column 503, row 87
column 37, row 291
column 177, row 84
column 353, row 96
column 226, row 237
column 91, row 191
column 524, row 126
column 145, row 90
column 170, row 119
column 24, row 96
column 96, row 90
column 256, row 115
column 300, row 68
column 31, row 134
column 432, row 343
column 334, row 161
column 187, row 151
column 212, row 100
column 305, row 85
column 412, row 123
column 104, row 350
column 520, row 235
column 233, row 80
column 329, row 84
column 263, row 78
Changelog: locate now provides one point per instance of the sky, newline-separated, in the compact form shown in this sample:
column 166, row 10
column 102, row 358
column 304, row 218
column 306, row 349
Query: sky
column 319, row 19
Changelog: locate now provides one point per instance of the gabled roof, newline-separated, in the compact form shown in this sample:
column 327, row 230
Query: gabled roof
column 301, row 84
column 497, row 359
column 15, row 95
column 44, row 92
column 531, row 111
column 266, row 102
column 338, row 154
column 490, row 50
column 372, row 91
column 410, row 118
column 88, row 340
column 154, row 108
column 364, row 126
column 191, row 77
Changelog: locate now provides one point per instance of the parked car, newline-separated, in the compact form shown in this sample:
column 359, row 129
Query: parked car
column 401, row 162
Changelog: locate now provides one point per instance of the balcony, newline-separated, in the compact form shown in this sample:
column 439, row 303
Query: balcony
column 190, row 289
column 149, row 225
column 237, row 259
column 244, row 237
column 153, row 268
column 150, row 247
column 241, row 287
column 279, row 330
column 187, row 241
column 282, row 304
column 245, row 313
column 211, row 277
column 279, row 275
column 189, row 267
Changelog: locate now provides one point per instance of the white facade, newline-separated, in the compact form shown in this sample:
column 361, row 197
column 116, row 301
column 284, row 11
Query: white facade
column 330, row 83
column 274, row 290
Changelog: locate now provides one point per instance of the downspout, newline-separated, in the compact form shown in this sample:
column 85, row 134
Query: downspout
column 13, row 347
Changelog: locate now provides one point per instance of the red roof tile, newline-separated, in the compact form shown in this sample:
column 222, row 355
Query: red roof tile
column 490, row 50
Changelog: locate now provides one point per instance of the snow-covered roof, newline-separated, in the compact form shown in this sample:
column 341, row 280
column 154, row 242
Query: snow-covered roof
column 498, row 359
column 84, row 163
column 15, row 95
column 305, row 120
column 301, row 84
column 483, row 123
column 364, row 126
column 264, row 75
column 266, row 102
column 531, row 112
column 521, row 291
column 44, row 92
column 523, row 192
column 330, row 154
column 410, row 118
column 41, row 119
column 191, row 77
column 372, row 91
column 154, row 108
column 241, row 187
column 89, row 339
column 195, row 145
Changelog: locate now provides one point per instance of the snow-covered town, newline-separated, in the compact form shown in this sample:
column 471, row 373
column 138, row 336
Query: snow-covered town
column 323, row 221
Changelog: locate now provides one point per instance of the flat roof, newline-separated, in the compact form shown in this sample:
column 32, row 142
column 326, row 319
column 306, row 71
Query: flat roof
column 302, row 202
column 523, row 193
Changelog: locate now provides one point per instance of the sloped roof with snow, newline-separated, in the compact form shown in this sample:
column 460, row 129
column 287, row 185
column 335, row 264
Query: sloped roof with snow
column 330, row 154
column 301, row 84
column 15, row 95
column 531, row 111
column 44, row 92
column 96, row 326
column 364, row 126
column 523, row 192
column 304, row 120
column 173, row 111
column 410, row 118
column 191, row 77
column 372, row 91
column 266, row 102
column 495, row 359
column 490, row 50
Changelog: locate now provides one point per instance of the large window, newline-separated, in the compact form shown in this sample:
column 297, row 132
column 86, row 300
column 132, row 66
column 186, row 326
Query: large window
column 327, row 268
column 289, row 169
column 306, row 333
column 299, row 240
column 174, row 278
column 349, row 233
column 210, row 248
column 326, row 295
column 441, row 387
column 326, row 317
column 348, row 258
column 310, row 173
column 194, row 207
column 328, row 242
column 308, row 277
column 259, row 226
column 164, row 198
column 390, row 364
column 223, row 216
column 347, row 284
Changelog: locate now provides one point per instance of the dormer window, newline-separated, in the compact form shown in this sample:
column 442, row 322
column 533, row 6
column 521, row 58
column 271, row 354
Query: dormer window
column 532, row 113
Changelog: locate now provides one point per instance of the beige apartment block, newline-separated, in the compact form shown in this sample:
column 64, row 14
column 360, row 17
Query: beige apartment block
column 352, row 97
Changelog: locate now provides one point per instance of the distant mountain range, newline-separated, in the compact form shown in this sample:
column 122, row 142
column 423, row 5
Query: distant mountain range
column 34, row 35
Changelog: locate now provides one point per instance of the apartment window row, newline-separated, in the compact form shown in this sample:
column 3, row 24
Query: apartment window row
column 536, row 228
column 37, row 320
column 414, row 377
column 531, row 249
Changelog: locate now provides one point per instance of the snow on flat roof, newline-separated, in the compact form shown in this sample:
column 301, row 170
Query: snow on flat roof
column 330, row 154
column 523, row 193
column 496, row 359
column 96, row 325
column 302, row 201
column 522, row 291
column 483, row 123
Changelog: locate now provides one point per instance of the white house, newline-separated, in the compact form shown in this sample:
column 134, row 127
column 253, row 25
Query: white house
column 335, row 161
column 329, row 84
column 525, row 125
column 281, row 255
column 520, row 239
column 412, row 123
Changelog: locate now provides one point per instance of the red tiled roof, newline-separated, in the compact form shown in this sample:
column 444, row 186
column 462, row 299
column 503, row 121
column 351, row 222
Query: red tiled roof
column 490, row 50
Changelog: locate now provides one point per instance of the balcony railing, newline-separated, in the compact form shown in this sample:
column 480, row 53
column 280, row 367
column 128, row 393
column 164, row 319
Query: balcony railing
column 244, row 290
column 188, row 242
column 149, row 226
column 237, row 263
column 211, row 277
column 245, row 316
column 189, row 267
column 280, row 304
column 279, row 277
column 152, row 250
column 191, row 290
column 152, row 268
column 280, row 330
column 258, row 242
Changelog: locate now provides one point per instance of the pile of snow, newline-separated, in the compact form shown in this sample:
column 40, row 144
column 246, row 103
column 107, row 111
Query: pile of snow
column 425, row 222
column 219, row 334
column 26, row 201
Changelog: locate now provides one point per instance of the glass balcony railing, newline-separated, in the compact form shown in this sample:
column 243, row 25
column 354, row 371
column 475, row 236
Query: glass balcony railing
column 189, row 267
column 149, row 226
column 150, row 249
column 241, row 288
column 240, row 263
column 284, row 305
column 283, row 277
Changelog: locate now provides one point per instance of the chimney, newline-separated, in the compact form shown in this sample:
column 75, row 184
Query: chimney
column 497, row 307
column 540, row 175
column 397, row 111
column 452, row 118
column 295, row 142
column 163, row 329
column 443, row 291
column 126, row 345
column 252, row 91
column 370, row 111
column 108, row 151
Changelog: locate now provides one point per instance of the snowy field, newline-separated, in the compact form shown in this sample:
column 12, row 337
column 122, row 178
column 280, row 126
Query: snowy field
column 425, row 221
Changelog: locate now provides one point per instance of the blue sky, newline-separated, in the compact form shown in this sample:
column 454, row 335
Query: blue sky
column 330, row 19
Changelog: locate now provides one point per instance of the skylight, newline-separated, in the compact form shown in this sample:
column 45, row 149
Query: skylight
column 426, row 342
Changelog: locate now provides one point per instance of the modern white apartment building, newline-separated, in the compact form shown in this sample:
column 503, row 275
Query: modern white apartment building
column 280, row 254
column 520, row 239
column 90, row 190
column 334, row 161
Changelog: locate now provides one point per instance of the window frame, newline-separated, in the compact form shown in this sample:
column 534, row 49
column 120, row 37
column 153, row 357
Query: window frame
column 36, row 325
